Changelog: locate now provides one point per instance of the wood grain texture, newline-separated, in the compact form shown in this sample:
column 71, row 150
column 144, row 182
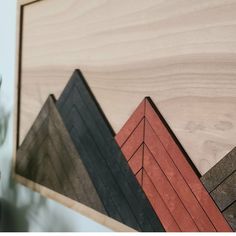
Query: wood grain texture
column 185, row 205
column 48, row 157
column 115, row 183
column 181, row 53
column 220, row 181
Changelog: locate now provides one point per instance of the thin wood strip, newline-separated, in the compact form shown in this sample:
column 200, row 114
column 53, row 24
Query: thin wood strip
column 134, row 141
column 136, row 161
column 161, row 208
column 131, row 124
column 167, row 192
column 225, row 194
column 139, row 176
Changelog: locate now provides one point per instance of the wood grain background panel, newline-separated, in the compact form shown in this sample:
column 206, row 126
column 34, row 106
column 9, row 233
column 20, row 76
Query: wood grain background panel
column 181, row 53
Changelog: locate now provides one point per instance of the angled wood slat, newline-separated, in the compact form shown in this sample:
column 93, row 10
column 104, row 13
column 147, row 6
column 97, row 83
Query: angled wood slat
column 220, row 181
column 117, row 187
column 47, row 156
column 166, row 175
column 218, row 173
column 225, row 193
column 230, row 215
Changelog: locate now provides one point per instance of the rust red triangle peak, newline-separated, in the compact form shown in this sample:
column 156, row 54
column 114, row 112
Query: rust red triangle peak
column 167, row 177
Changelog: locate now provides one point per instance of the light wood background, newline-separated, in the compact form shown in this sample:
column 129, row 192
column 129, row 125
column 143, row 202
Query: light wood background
column 182, row 53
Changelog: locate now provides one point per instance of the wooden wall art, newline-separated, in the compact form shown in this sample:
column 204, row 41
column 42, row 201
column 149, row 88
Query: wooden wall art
column 72, row 143
column 71, row 149
column 48, row 157
column 182, row 55
column 174, row 189
column 220, row 182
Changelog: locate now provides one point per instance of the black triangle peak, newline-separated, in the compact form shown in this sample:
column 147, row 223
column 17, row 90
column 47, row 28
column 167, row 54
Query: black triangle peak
column 78, row 84
column 117, row 187
column 48, row 157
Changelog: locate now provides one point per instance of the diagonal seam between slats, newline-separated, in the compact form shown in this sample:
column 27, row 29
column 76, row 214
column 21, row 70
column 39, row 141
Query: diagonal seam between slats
column 150, row 179
column 176, row 192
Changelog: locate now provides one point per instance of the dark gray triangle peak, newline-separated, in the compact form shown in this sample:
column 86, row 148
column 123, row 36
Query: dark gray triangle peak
column 117, row 187
column 220, row 182
column 47, row 156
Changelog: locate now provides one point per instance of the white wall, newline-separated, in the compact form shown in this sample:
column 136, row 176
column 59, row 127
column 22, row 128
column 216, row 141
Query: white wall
column 22, row 209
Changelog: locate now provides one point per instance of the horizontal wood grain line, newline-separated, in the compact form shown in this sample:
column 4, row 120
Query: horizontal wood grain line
column 130, row 125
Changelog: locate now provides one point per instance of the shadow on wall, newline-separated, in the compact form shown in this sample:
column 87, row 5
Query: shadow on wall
column 9, row 213
column 19, row 206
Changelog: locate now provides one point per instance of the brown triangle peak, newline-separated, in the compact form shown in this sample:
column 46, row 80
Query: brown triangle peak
column 48, row 157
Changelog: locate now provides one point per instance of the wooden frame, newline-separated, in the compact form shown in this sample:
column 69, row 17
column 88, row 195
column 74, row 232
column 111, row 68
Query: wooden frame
column 76, row 206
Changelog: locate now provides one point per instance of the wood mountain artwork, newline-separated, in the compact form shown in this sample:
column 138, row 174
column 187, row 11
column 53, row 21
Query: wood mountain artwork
column 140, row 177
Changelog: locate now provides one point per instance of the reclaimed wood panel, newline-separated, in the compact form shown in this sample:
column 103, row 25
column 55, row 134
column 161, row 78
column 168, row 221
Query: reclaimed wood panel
column 220, row 181
column 169, row 171
column 47, row 156
column 181, row 53
column 115, row 183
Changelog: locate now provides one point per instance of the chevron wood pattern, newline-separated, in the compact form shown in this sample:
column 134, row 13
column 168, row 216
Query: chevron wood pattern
column 220, row 181
column 168, row 179
column 117, row 187
column 48, row 157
